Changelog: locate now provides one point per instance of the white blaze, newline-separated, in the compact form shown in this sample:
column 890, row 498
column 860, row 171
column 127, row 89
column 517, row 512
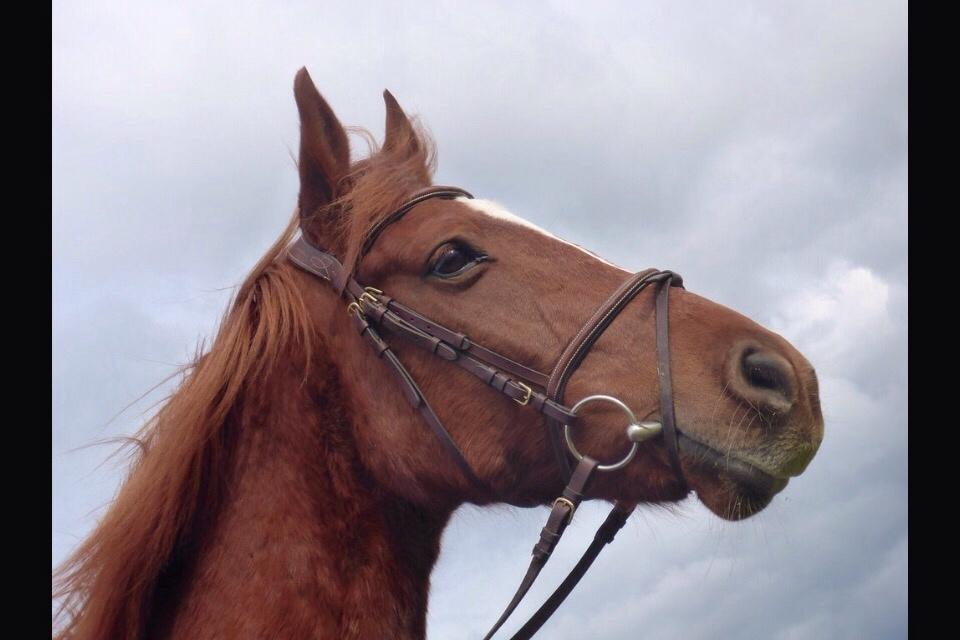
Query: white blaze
column 495, row 210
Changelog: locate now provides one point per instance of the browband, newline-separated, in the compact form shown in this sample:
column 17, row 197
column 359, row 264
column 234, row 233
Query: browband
column 436, row 191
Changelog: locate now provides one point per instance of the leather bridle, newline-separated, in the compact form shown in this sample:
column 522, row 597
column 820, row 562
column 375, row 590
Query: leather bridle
column 372, row 310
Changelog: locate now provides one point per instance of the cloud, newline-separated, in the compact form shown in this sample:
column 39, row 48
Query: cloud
column 758, row 149
column 845, row 321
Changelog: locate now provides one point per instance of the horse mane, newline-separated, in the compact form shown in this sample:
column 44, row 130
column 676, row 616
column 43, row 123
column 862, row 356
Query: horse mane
column 106, row 586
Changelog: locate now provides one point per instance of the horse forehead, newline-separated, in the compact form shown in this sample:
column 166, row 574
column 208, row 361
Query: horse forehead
column 499, row 212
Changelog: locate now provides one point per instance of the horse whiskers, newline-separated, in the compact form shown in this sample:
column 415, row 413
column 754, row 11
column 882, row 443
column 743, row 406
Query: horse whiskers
column 716, row 402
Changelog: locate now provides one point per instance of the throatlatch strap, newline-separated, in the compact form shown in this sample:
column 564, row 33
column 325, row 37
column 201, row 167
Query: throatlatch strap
column 416, row 398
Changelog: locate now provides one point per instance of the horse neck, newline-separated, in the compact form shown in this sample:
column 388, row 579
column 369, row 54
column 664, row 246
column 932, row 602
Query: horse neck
column 305, row 544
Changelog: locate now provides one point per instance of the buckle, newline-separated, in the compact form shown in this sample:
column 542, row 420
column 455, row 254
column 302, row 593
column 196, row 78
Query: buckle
column 573, row 507
column 525, row 399
column 369, row 295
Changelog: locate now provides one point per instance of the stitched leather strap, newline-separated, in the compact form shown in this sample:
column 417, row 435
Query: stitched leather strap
column 373, row 307
column 485, row 364
column 605, row 534
column 463, row 343
column 667, row 413
column 416, row 398
column 569, row 360
column 581, row 344
column 450, row 345
column 560, row 516
column 435, row 191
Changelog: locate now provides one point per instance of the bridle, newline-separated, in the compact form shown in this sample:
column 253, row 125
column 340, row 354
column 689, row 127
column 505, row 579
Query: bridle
column 372, row 310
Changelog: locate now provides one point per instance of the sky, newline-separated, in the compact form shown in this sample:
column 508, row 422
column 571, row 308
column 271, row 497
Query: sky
column 760, row 149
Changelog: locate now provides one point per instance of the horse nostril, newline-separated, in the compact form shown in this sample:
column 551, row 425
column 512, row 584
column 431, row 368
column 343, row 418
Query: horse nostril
column 762, row 371
column 765, row 378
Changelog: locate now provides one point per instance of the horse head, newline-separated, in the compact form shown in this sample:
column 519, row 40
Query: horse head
column 747, row 409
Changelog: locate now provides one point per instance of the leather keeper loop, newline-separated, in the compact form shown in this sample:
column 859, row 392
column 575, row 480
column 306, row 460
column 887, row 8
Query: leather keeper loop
column 446, row 352
column 378, row 343
column 614, row 522
column 443, row 350
column 375, row 311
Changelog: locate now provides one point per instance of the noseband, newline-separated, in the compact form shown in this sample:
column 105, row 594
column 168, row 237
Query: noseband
column 372, row 310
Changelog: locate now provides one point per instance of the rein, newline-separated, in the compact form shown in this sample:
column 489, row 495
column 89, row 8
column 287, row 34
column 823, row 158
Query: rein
column 372, row 310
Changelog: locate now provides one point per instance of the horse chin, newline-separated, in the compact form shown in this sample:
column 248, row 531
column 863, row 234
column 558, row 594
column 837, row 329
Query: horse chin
column 731, row 488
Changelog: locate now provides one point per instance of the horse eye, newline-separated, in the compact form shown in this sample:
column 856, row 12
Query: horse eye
column 454, row 258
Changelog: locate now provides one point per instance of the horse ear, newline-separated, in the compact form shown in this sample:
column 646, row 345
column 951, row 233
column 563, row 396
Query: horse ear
column 400, row 136
column 324, row 148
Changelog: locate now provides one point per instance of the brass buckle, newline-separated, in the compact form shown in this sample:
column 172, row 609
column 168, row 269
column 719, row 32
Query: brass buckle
column 573, row 507
column 369, row 295
column 523, row 401
column 353, row 306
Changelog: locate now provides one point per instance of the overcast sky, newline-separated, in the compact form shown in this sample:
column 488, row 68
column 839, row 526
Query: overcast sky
column 759, row 149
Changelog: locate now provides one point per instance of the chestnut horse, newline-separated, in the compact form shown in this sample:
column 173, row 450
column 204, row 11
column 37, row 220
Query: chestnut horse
column 286, row 489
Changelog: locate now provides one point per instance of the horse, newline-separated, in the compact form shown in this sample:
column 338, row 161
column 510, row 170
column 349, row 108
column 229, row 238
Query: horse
column 295, row 484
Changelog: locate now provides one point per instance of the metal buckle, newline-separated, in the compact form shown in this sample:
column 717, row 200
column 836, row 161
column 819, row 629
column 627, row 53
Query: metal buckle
column 526, row 399
column 369, row 295
column 573, row 507
column 353, row 306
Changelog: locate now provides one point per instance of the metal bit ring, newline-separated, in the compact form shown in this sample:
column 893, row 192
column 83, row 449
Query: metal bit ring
column 636, row 431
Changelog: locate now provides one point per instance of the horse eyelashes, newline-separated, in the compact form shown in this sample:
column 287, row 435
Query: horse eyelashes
column 453, row 258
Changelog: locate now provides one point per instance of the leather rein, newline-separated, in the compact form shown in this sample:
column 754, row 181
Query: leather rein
column 372, row 310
